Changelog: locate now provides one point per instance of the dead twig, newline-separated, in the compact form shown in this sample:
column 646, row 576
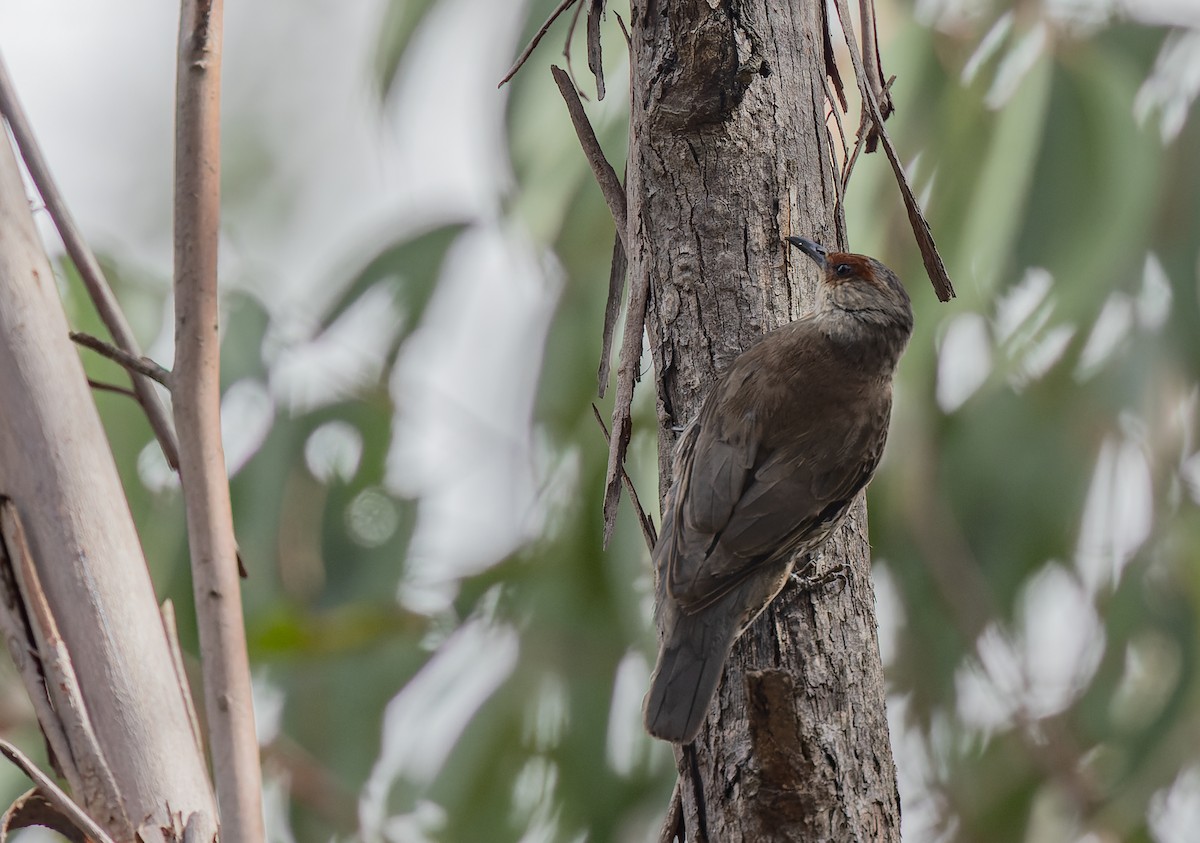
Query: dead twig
column 934, row 266
column 138, row 365
column 54, row 794
column 229, row 706
column 648, row 531
column 606, row 176
column 532, row 45
column 85, row 261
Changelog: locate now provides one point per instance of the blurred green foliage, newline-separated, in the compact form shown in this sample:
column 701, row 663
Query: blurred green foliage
column 1035, row 523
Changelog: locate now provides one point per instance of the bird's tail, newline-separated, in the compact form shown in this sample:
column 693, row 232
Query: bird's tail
column 690, row 662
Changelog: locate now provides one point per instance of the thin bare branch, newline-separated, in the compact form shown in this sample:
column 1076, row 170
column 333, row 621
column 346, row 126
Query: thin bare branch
column 138, row 365
column 197, row 400
column 648, row 531
column 934, row 266
column 101, row 386
column 832, row 74
column 528, row 51
column 54, row 794
column 85, row 261
column 606, row 176
column 624, row 31
column 838, row 183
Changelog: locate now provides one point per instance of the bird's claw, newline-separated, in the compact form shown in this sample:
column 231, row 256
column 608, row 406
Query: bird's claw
column 808, row 580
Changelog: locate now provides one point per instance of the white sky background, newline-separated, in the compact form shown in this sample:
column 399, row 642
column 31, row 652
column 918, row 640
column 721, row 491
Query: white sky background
column 98, row 83
column 318, row 175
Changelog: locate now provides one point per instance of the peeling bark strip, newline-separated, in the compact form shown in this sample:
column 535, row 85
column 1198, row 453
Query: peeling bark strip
column 729, row 152
column 595, row 56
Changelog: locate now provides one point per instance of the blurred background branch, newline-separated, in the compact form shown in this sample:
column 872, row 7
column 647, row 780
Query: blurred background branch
column 414, row 295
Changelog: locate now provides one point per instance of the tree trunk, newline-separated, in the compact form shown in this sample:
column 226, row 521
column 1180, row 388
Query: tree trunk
column 729, row 152
column 78, row 611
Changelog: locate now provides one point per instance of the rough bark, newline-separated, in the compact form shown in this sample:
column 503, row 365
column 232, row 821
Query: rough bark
column 729, row 153
column 74, row 578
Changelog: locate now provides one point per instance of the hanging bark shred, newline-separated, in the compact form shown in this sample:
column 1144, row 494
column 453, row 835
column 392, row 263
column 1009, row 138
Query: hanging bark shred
column 595, row 58
column 934, row 265
column 831, row 69
column 30, row 809
column 612, row 307
column 631, row 343
column 622, row 423
column 874, row 70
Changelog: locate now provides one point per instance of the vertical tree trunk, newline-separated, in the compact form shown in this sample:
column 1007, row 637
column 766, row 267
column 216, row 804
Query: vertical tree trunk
column 729, row 152
column 81, row 620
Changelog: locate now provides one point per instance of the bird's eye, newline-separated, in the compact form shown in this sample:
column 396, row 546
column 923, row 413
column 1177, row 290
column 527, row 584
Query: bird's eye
column 843, row 270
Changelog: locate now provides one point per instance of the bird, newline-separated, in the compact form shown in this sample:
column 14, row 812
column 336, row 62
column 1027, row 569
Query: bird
column 782, row 444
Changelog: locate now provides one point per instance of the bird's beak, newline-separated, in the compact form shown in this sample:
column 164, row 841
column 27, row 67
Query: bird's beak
column 814, row 250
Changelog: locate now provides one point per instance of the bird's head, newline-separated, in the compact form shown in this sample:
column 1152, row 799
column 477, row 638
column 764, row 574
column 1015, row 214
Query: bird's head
column 861, row 290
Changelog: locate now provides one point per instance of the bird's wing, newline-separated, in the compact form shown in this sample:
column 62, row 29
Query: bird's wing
column 719, row 466
column 748, row 505
column 793, row 503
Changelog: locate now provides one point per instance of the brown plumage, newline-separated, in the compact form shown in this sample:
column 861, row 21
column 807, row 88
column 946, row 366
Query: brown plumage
column 787, row 438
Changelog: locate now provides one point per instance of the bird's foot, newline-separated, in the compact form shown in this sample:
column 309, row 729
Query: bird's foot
column 808, row 578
